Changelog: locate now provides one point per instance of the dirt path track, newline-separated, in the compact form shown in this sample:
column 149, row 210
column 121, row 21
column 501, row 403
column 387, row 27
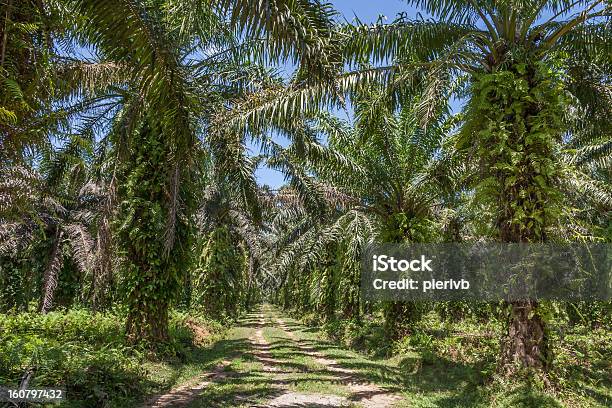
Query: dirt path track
column 276, row 368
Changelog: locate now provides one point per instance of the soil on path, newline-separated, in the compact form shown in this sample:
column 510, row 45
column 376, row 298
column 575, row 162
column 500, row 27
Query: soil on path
column 363, row 392
column 330, row 384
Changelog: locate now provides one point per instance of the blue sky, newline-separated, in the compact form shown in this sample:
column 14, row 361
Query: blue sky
column 367, row 11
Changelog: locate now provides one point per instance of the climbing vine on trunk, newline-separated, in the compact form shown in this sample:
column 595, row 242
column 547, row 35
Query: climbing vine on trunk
column 518, row 127
column 152, row 269
column 221, row 275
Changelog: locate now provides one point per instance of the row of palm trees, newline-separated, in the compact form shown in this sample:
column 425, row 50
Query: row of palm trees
column 115, row 165
column 399, row 182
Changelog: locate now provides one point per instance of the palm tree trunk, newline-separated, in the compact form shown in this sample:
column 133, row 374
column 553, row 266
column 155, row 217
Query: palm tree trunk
column 54, row 264
column 526, row 343
column 7, row 18
column 252, row 268
column 148, row 323
column 400, row 318
column 520, row 127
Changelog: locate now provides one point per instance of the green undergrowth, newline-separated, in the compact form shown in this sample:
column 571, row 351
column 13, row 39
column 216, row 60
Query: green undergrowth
column 447, row 364
column 87, row 354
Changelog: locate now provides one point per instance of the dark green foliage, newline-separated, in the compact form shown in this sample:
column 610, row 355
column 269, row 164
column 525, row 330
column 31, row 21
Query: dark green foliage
column 12, row 290
column 403, row 227
column 83, row 352
column 87, row 354
column 152, row 260
column 400, row 317
column 21, row 275
column 220, row 276
column 514, row 128
column 26, row 50
column 517, row 120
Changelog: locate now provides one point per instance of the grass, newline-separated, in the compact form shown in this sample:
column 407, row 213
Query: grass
column 442, row 367
column 439, row 365
column 244, row 382
column 86, row 354
column 304, row 374
column 453, row 365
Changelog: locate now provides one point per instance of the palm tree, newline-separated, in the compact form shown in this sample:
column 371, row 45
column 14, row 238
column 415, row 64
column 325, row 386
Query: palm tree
column 169, row 69
column 403, row 183
column 386, row 182
column 228, row 246
column 58, row 214
column 535, row 75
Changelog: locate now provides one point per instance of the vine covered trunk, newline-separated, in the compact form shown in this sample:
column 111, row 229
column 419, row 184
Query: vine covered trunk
column 518, row 128
column 149, row 322
column 152, row 232
column 222, row 266
column 400, row 318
